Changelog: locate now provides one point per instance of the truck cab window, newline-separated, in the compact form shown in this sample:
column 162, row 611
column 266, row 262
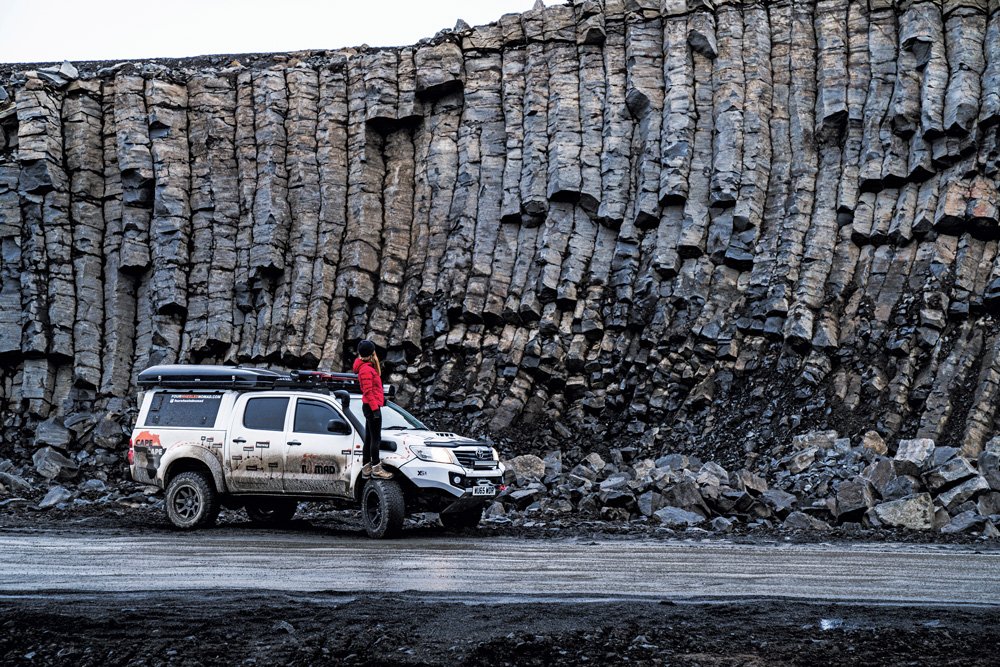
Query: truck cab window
column 265, row 414
column 313, row 417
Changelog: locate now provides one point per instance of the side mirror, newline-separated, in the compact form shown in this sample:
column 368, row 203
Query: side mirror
column 338, row 427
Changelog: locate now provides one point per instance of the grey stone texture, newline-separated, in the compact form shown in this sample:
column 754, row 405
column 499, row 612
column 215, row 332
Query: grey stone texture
column 704, row 226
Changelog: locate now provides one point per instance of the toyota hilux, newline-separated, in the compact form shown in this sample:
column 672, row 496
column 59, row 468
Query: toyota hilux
column 265, row 441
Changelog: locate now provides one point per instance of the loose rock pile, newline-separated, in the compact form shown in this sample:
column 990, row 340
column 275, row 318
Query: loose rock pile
column 57, row 477
column 817, row 482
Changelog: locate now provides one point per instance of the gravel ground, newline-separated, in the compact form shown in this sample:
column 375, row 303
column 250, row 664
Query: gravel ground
column 258, row 628
column 211, row 628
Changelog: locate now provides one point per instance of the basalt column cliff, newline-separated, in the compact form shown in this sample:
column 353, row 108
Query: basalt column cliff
column 663, row 224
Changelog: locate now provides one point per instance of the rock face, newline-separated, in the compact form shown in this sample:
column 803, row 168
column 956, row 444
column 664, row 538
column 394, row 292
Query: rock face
column 707, row 226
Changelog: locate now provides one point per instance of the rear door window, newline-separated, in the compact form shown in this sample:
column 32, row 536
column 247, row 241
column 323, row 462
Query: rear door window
column 265, row 414
column 185, row 410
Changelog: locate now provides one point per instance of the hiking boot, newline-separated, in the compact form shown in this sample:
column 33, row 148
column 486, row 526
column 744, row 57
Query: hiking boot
column 379, row 472
column 366, row 471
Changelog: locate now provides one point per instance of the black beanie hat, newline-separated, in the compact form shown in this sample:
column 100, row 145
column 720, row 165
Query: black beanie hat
column 366, row 348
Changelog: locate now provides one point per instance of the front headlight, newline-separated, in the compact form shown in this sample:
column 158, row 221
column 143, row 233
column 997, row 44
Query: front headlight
column 435, row 454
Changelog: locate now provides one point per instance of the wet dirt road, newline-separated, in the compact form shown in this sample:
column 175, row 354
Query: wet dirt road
column 502, row 569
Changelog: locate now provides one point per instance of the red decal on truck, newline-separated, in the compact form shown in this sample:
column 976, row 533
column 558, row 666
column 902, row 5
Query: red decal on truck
column 147, row 439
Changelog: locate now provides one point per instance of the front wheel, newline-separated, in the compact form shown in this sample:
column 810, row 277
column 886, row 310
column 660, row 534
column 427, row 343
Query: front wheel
column 191, row 501
column 382, row 508
column 271, row 511
column 461, row 520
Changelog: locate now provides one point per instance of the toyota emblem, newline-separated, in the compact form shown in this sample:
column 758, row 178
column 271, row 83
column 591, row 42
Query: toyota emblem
column 483, row 454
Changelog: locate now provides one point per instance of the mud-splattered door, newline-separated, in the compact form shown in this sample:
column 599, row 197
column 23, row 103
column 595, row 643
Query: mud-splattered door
column 317, row 460
column 257, row 444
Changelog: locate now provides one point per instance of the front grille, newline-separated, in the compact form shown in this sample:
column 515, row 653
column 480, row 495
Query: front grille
column 468, row 458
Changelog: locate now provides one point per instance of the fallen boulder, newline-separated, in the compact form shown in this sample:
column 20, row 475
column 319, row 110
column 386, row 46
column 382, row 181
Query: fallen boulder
column 957, row 495
column 524, row 497
column 51, row 432
column 989, row 467
column 674, row 517
column 553, row 464
column 678, row 462
column 854, row 497
column 685, row 494
column 781, row 502
column 912, row 456
column 989, row 503
column 915, row 512
column 649, row 502
column 964, row 522
column 50, row 463
column 56, row 495
column 721, row 524
column 526, row 468
column 93, row 486
column 747, row 481
column 874, row 442
column 799, row 461
column 952, row 472
column 15, row 482
column 817, row 439
column 879, row 474
column 901, row 487
column 802, row 521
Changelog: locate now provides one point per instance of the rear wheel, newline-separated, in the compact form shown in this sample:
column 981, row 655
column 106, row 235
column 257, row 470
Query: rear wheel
column 382, row 508
column 459, row 520
column 191, row 501
column 271, row 511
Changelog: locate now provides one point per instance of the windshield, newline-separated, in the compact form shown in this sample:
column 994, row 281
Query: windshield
column 394, row 418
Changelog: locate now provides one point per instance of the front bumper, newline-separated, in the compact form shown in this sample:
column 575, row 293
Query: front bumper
column 454, row 480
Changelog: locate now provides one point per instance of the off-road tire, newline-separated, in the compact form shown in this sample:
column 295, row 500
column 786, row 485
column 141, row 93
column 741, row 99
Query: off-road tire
column 271, row 511
column 382, row 508
column 191, row 501
column 461, row 520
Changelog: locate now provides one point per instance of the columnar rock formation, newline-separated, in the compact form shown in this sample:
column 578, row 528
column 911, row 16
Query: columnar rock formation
column 667, row 223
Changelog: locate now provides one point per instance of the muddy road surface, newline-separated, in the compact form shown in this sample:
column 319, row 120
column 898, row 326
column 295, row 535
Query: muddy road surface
column 234, row 596
column 291, row 561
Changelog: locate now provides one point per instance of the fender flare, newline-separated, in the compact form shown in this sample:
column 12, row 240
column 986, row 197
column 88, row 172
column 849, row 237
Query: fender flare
column 177, row 453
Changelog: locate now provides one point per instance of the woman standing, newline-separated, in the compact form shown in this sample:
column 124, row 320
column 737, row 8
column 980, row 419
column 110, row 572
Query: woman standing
column 369, row 372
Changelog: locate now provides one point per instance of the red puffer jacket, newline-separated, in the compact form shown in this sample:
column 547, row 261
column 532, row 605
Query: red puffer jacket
column 371, row 384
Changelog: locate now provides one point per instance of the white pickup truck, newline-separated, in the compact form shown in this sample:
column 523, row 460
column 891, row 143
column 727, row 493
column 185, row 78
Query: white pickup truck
column 215, row 436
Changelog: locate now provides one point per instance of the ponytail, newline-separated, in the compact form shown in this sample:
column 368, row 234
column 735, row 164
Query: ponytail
column 373, row 360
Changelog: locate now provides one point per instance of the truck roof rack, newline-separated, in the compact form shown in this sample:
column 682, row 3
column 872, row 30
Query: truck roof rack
column 194, row 376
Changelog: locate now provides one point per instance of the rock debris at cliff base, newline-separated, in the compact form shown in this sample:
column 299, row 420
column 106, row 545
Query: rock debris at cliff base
column 683, row 226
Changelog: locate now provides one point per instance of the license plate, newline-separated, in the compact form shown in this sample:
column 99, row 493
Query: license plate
column 486, row 490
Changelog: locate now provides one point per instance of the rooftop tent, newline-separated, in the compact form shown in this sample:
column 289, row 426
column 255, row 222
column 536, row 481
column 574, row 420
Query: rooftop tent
column 209, row 377
column 193, row 376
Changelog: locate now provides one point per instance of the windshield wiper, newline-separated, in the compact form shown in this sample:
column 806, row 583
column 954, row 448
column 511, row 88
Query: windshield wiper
column 396, row 428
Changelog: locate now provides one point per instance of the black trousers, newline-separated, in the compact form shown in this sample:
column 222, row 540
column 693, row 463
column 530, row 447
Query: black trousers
column 373, row 435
